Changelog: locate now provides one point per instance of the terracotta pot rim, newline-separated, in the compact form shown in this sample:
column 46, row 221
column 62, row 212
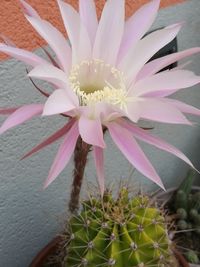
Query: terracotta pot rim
column 51, row 247
column 45, row 252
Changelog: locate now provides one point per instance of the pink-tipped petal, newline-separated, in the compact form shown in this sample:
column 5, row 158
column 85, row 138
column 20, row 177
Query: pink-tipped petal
column 91, row 131
column 99, row 160
column 71, row 21
column 132, row 151
column 183, row 65
column 7, row 111
column 55, row 40
column 22, row 55
column 76, row 30
column 21, row 115
column 167, row 81
column 183, row 107
column 28, row 10
column 160, row 63
column 145, row 49
column 158, row 110
column 137, row 25
column 155, row 141
column 88, row 17
column 110, row 31
column 7, row 40
column 51, row 74
column 56, row 77
column 57, row 135
column 58, row 102
column 64, row 154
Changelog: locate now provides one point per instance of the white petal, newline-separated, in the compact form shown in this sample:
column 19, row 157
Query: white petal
column 58, row 102
column 137, row 25
column 55, row 40
column 157, row 64
column 22, row 55
column 88, row 17
column 51, row 74
column 183, row 107
column 91, row 131
column 132, row 63
column 158, row 110
column 169, row 81
column 133, row 110
column 110, row 31
column 78, row 35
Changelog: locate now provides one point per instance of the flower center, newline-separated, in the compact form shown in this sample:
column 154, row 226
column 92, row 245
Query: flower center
column 95, row 81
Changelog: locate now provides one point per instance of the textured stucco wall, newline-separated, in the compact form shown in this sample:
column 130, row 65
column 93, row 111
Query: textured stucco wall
column 30, row 217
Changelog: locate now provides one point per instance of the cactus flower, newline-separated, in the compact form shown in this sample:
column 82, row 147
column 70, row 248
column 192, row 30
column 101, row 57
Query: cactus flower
column 103, row 80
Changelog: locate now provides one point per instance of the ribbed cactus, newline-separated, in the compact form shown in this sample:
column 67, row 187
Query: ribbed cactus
column 121, row 232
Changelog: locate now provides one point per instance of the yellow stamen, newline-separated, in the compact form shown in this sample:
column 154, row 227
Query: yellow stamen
column 95, row 81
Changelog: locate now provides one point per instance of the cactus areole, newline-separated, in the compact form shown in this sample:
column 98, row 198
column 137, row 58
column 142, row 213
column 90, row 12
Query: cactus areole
column 121, row 232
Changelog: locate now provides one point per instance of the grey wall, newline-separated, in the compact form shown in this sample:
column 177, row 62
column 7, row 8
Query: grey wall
column 30, row 217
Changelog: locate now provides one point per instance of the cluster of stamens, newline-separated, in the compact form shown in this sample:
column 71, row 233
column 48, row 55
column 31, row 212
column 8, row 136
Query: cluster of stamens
column 95, row 81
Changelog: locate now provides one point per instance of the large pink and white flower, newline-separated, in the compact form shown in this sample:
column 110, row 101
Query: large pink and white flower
column 102, row 79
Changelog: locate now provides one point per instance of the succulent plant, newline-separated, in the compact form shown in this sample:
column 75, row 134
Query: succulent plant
column 119, row 232
column 192, row 257
column 186, row 205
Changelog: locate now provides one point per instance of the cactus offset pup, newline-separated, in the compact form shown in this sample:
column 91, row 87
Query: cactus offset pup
column 185, row 205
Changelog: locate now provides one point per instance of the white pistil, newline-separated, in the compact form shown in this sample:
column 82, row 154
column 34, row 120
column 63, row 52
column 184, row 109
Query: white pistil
column 95, row 81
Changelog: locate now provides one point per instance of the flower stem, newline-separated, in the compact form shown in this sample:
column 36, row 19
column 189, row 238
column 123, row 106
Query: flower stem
column 80, row 159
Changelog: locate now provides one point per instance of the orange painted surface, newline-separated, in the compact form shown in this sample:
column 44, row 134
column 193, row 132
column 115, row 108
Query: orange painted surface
column 15, row 27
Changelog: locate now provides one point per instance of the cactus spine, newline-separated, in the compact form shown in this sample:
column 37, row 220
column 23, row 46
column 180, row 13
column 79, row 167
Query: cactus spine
column 121, row 232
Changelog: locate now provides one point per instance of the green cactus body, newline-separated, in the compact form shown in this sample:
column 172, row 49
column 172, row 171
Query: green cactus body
column 192, row 257
column 181, row 213
column 181, row 200
column 196, row 201
column 195, row 216
column 187, row 183
column 182, row 224
column 121, row 233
